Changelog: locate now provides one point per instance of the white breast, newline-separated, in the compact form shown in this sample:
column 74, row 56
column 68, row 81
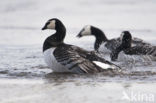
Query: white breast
column 52, row 62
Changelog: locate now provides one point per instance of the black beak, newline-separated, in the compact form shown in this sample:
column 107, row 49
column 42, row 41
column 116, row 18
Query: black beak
column 44, row 28
column 79, row 35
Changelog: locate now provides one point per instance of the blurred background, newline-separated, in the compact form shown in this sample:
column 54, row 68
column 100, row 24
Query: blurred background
column 21, row 20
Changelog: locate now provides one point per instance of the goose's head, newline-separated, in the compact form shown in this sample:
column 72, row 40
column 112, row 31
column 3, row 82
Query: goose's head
column 90, row 30
column 58, row 37
column 86, row 31
column 53, row 24
column 125, row 34
column 126, row 39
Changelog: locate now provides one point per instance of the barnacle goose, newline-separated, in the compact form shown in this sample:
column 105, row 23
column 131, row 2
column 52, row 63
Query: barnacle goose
column 126, row 47
column 61, row 57
column 102, row 43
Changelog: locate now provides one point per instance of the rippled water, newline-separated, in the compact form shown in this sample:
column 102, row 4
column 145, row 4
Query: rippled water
column 24, row 76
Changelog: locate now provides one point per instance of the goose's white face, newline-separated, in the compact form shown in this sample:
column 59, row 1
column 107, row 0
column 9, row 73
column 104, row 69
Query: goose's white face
column 86, row 31
column 121, row 36
column 51, row 24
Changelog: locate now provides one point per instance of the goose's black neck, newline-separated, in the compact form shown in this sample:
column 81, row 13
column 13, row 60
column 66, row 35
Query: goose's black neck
column 55, row 39
column 100, row 37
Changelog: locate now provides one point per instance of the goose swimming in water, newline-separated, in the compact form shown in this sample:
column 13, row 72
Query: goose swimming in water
column 102, row 43
column 126, row 47
column 61, row 57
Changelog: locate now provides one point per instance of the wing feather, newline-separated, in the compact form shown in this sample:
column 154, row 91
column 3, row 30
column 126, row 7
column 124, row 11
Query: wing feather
column 75, row 59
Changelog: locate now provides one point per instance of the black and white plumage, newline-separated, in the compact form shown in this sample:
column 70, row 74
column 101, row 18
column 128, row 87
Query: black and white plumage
column 61, row 57
column 102, row 44
column 127, row 48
